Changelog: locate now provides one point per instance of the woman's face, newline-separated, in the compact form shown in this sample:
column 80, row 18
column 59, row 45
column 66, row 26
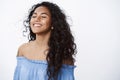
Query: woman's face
column 40, row 22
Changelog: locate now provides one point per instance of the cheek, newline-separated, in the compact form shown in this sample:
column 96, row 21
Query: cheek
column 31, row 22
column 47, row 23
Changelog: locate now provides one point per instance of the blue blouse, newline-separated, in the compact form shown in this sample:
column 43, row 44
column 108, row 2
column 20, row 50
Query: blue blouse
column 27, row 69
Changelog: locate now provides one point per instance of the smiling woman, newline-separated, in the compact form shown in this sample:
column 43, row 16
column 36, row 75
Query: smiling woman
column 49, row 54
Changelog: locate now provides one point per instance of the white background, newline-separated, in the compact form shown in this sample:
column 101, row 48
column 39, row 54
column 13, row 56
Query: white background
column 95, row 25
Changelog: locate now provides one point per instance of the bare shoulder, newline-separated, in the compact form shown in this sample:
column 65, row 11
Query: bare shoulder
column 21, row 49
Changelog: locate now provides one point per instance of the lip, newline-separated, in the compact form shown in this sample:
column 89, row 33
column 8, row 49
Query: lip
column 37, row 24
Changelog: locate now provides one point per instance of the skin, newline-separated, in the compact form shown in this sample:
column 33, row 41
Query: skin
column 40, row 24
column 41, row 21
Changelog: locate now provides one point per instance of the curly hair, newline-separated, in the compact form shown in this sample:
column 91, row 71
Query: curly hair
column 61, row 42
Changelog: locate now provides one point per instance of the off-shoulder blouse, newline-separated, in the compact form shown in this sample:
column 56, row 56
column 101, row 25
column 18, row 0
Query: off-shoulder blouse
column 27, row 69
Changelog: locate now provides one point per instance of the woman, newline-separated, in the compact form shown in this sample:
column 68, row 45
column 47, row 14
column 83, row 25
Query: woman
column 49, row 53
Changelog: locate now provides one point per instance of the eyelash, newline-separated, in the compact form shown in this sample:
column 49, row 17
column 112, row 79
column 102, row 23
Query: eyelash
column 33, row 16
column 41, row 16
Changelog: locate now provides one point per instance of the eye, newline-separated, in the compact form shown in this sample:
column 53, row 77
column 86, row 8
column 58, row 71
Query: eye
column 44, row 16
column 34, row 16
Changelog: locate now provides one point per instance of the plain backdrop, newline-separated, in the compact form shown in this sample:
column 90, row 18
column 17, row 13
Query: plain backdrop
column 95, row 25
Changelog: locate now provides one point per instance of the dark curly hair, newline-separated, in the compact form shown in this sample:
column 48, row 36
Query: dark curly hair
column 61, row 42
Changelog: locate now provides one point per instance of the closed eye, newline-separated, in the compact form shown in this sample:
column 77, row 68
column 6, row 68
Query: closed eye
column 34, row 16
column 44, row 16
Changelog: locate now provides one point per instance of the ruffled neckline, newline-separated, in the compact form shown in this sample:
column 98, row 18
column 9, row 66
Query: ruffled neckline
column 41, row 62
column 33, row 61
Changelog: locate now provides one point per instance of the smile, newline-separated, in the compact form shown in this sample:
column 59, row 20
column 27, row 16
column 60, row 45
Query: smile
column 37, row 25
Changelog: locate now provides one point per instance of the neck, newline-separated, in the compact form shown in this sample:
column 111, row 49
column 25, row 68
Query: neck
column 42, row 40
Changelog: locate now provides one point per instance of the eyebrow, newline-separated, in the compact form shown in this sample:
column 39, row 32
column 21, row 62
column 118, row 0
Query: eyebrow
column 41, row 13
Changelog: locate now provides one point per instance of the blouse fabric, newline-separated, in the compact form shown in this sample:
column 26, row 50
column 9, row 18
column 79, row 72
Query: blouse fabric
column 27, row 69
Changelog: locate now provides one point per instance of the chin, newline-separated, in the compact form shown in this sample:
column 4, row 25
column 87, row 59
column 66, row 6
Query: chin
column 36, row 32
column 41, row 32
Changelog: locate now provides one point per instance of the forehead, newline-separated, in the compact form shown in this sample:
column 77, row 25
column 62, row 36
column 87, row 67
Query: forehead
column 42, row 9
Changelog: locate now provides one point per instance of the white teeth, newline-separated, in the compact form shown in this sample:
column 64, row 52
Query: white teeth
column 37, row 25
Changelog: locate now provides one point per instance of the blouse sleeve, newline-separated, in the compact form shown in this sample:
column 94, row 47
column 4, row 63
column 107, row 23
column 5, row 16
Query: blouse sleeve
column 17, row 70
column 66, row 73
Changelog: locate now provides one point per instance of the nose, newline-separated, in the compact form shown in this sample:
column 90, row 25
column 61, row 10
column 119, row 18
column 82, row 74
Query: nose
column 38, row 18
